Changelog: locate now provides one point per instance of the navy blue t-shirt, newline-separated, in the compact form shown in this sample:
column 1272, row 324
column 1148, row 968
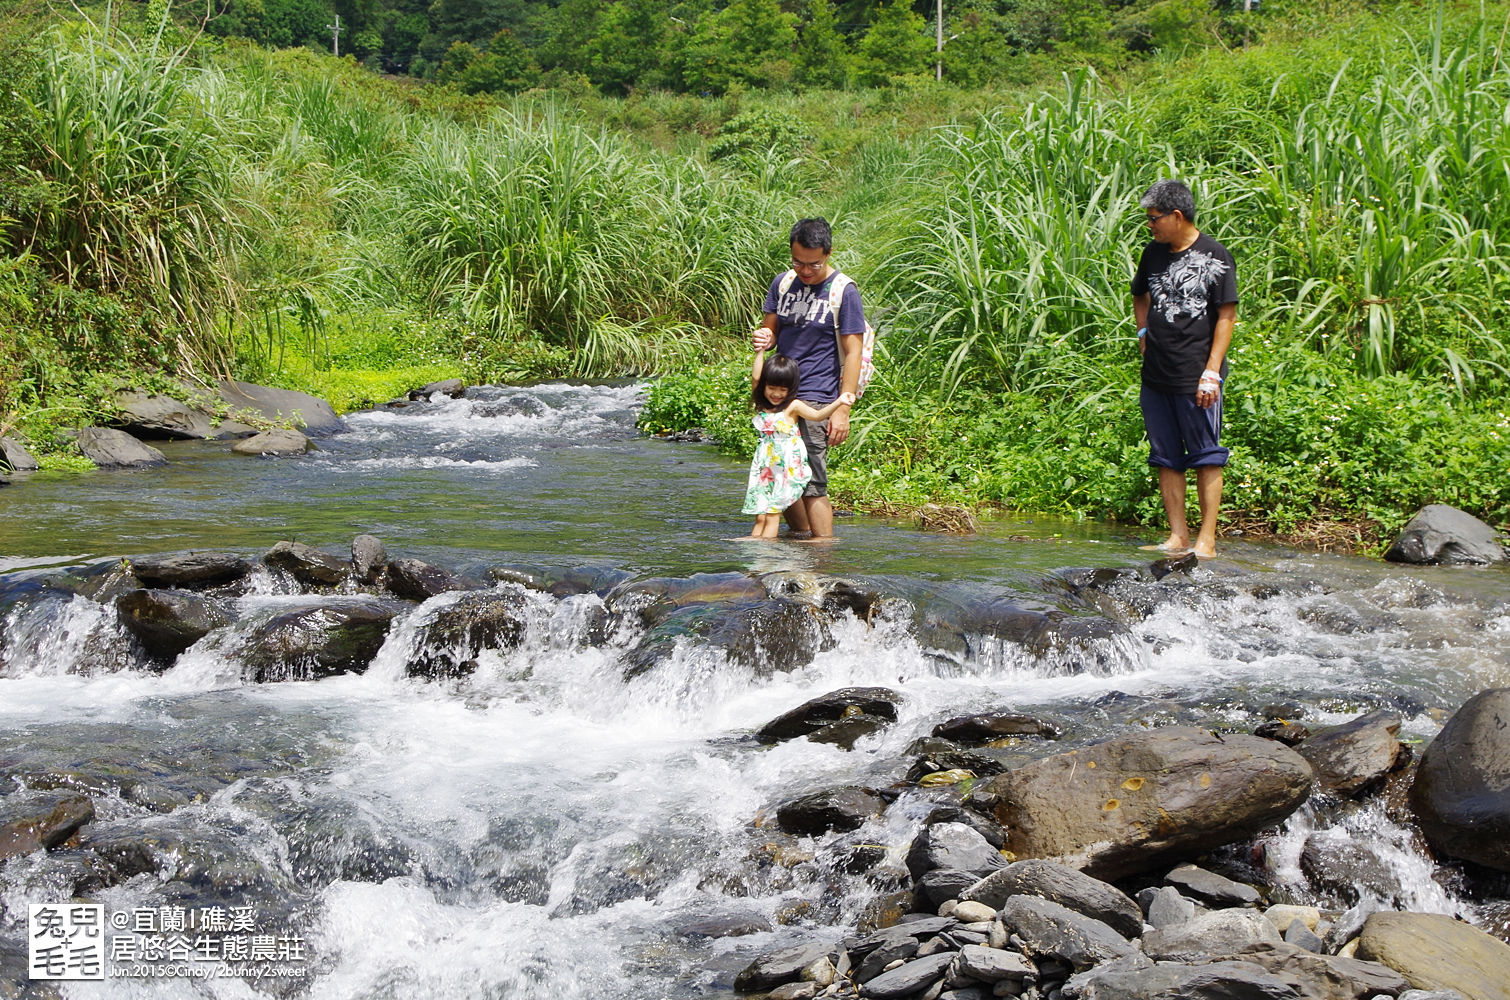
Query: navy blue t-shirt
column 805, row 332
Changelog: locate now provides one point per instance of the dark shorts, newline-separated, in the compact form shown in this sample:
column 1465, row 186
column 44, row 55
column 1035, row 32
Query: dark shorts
column 1182, row 435
column 815, row 436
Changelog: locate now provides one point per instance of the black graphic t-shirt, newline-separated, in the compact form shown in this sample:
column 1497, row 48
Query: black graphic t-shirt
column 1186, row 291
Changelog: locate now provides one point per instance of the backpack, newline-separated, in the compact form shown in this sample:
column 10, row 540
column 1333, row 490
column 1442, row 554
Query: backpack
column 837, row 284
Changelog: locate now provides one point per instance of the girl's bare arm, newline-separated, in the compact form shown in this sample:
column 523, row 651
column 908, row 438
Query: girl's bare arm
column 757, row 367
column 808, row 412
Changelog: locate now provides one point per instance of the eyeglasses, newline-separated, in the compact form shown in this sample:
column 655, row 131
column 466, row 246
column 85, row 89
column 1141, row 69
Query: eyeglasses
column 1151, row 219
column 807, row 265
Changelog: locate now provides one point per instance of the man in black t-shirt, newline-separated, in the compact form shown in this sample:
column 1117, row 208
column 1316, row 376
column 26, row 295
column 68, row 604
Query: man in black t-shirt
column 1185, row 304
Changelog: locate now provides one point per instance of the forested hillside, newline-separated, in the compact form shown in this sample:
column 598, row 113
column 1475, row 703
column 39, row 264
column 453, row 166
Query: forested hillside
column 176, row 204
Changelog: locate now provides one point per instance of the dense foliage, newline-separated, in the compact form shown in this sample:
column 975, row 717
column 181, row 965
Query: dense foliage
column 181, row 208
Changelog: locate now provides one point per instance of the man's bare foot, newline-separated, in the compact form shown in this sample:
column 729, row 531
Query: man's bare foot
column 799, row 536
column 1204, row 552
column 1173, row 546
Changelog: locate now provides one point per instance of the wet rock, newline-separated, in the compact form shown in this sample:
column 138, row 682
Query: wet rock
column 1347, row 870
column 782, row 966
column 1286, row 732
column 274, row 442
column 167, row 622
column 14, row 456
column 1160, row 568
column 1221, row 932
column 766, row 637
column 839, row 596
column 367, row 558
column 41, row 822
column 655, row 599
column 152, row 415
column 847, row 732
column 1439, row 533
column 415, row 580
column 1073, row 644
column 1065, row 886
column 1461, row 792
column 457, row 633
column 844, row 808
column 307, row 564
column 1210, row 888
column 310, row 641
column 1436, row 952
column 1134, row 803
column 311, row 413
column 952, row 845
column 1048, row 930
column 193, row 570
column 109, row 448
column 978, row 765
column 825, row 710
column 722, row 925
column 974, row 730
column 455, row 388
column 1214, row 981
column 908, row 979
column 1355, row 757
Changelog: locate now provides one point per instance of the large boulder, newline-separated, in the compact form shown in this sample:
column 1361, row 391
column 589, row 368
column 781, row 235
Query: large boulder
column 1065, row 886
column 1436, row 952
column 167, row 622
column 1461, row 791
column 314, row 640
column 109, row 448
column 13, row 455
column 194, row 570
column 152, row 415
column 450, row 640
column 1442, row 534
column 313, row 414
column 1325, row 977
column 1140, row 802
column 1355, row 757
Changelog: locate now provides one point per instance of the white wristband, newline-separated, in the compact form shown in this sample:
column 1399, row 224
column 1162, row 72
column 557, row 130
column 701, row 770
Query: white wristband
column 1210, row 376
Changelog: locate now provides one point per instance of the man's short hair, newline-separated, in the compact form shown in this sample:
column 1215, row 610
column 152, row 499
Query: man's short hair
column 1170, row 196
column 813, row 234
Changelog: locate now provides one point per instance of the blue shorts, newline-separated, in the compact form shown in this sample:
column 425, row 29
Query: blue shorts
column 1182, row 435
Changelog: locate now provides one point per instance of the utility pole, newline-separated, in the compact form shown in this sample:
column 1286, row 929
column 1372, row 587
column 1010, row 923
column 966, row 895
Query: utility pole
column 938, row 65
column 335, row 36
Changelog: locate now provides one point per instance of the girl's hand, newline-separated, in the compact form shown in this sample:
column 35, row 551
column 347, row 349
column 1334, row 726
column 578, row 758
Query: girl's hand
column 847, row 398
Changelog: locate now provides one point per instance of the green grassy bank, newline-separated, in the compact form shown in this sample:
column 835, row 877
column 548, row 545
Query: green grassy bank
column 179, row 208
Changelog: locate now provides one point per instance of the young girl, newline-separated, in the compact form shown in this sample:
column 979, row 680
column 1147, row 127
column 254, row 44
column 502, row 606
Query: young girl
column 779, row 471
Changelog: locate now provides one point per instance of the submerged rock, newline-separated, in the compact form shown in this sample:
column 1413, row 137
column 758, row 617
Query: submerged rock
column 274, row 442
column 458, row 632
column 1439, row 533
column 974, row 730
column 1136, row 803
column 167, row 622
column 844, row 808
column 311, row 641
column 41, row 822
column 823, row 711
column 1461, row 791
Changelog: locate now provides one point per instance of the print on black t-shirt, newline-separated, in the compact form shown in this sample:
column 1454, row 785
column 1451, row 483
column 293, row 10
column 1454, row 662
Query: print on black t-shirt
column 1186, row 291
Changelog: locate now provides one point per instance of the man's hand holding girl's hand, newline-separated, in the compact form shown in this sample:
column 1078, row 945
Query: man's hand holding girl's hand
column 762, row 339
column 847, row 398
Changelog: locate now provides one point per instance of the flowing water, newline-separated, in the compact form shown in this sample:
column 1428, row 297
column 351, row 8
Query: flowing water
column 545, row 828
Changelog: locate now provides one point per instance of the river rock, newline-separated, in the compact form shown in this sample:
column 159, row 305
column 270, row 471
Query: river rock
column 1355, row 757
column 978, row 765
column 908, row 979
column 1048, row 930
column 1436, row 952
column 1442, row 534
column 1282, row 915
column 1348, row 869
column 194, row 570
column 1128, row 980
column 415, row 580
column 844, row 808
column 41, row 822
column 1166, row 907
column 1461, row 791
column 367, row 558
column 1074, row 644
column 458, row 632
column 782, row 966
column 1301, row 936
column 765, row 637
column 1288, row 732
column 311, row 413
column 109, row 448
column 167, row 622
column 974, row 730
column 306, row 563
column 936, row 887
column 13, row 455
column 656, row 598
column 157, row 416
column 992, row 965
column 1221, row 932
column 455, row 388
column 310, row 641
column 825, row 710
column 1210, row 888
column 1065, row 886
column 279, row 441
column 898, row 949
column 1131, row 804
column 952, row 845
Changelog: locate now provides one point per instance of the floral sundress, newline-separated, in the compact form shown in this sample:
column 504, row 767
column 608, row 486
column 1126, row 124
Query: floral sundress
column 779, row 471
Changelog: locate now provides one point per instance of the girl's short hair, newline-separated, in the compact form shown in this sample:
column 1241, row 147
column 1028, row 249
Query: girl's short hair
column 778, row 370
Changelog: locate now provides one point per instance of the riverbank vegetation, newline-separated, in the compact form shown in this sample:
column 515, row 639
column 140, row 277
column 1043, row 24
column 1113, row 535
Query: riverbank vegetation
column 183, row 205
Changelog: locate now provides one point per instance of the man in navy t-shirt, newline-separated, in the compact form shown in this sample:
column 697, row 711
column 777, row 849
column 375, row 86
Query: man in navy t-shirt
column 800, row 324
column 1185, row 305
